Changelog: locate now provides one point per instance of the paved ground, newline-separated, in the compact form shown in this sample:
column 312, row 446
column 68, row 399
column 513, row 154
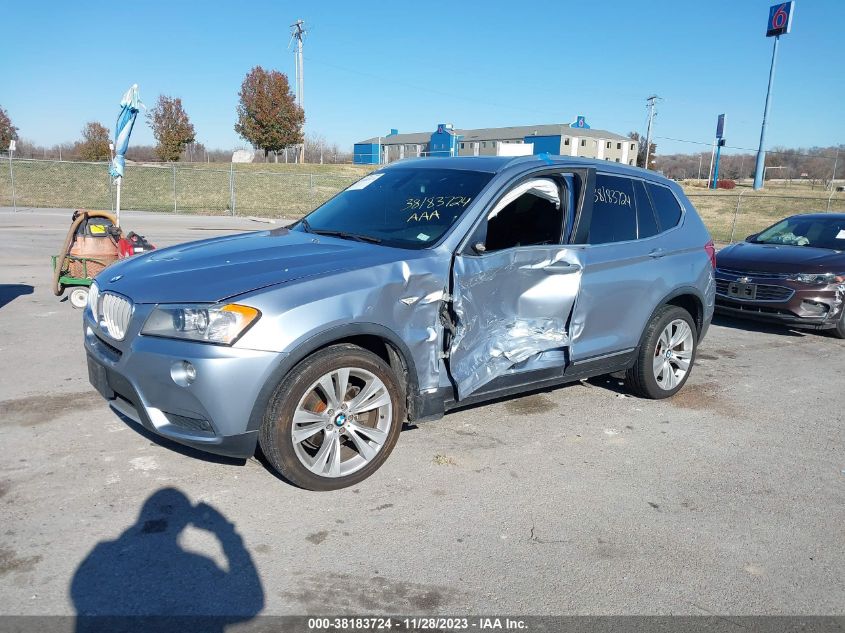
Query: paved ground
column 728, row 499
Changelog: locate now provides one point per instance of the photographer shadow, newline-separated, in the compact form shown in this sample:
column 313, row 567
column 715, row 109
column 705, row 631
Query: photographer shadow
column 146, row 581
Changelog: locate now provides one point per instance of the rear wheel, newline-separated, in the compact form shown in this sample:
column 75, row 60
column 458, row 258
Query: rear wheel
column 335, row 418
column 79, row 297
column 666, row 355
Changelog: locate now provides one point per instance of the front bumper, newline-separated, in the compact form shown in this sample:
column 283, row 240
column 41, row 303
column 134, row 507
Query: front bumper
column 787, row 302
column 140, row 379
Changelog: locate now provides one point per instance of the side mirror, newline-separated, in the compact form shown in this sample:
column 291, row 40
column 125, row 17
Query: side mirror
column 479, row 248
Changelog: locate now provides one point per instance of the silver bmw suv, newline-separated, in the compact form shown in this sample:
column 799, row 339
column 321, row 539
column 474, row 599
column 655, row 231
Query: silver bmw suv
column 425, row 286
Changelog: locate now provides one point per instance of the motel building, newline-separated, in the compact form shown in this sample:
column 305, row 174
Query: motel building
column 565, row 139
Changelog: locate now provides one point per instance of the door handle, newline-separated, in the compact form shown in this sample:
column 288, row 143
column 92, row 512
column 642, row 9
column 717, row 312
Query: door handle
column 561, row 268
column 656, row 253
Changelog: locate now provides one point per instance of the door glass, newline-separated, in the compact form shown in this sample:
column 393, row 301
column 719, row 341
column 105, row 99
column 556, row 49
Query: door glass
column 614, row 218
column 531, row 213
column 646, row 224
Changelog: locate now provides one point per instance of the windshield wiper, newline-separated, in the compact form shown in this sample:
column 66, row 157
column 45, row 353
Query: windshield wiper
column 346, row 235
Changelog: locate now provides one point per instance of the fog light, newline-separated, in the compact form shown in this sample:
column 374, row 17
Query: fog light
column 814, row 307
column 183, row 373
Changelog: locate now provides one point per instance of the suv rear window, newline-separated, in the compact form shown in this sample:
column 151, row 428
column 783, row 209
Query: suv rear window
column 666, row 205
column 614, row 212
column 408, row 208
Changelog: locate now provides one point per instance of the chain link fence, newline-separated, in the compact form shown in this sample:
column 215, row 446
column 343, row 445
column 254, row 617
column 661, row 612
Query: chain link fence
column 232, row 189
column 280, row 191
column 732, row 216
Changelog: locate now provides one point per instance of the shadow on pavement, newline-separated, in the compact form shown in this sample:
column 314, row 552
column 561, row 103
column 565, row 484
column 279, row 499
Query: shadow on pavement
column 760, row 326
column 146, row 581
column 10, row 292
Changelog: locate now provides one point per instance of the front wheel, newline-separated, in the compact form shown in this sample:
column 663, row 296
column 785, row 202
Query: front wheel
column 839, row 330
column 666, row 355
column 334, row 419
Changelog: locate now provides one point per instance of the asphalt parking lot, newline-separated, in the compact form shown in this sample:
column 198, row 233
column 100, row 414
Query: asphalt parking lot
column 727, row 499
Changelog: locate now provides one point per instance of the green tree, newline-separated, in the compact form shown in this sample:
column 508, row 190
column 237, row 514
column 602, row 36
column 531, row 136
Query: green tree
column 268, row 116
column 8, row 132
column 652, row 152
column 95, row 142
column 171, row 127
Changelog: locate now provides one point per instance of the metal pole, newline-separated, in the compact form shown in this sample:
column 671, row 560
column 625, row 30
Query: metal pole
column 716, row 171
column 736, row 213
column 700, row 156
column 712, row 159
column 117, row 202
column 12, row 176
column 174, row 188
column 232, row 187
column 833, row 177
column 761, row 152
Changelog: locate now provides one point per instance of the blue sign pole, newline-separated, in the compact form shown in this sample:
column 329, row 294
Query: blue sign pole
column 716, row 170
column 761, row 152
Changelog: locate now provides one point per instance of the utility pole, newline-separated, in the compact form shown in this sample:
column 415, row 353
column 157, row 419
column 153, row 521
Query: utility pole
column 651, row 102
column 297, row 33
column 835, row 160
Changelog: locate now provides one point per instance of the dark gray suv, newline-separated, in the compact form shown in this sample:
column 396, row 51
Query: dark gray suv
column 427, row 285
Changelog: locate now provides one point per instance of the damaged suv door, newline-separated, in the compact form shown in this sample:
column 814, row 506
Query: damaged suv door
column 515, row 284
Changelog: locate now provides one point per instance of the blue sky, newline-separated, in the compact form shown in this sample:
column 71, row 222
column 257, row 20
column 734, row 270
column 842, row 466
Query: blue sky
column 372, row 66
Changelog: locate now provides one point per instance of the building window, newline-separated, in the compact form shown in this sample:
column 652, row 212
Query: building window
column 632, row 146
column 483, row 143
column 619, row 146
column 462, row 145
column 583, row 142
column 631, row 162
column 617, row 160
column 608, row 145
column 566, row 141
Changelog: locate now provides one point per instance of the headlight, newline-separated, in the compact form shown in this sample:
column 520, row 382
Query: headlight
column 222, row 324
column 93, row 295
column 818, row 279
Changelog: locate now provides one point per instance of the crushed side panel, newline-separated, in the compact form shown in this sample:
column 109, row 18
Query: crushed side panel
column 509, row 308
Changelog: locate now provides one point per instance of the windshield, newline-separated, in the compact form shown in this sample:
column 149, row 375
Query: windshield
column 409, row 208
column 810, row 231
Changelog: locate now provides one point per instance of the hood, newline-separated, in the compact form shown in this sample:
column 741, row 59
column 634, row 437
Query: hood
column 219, row 268
column 777, row 258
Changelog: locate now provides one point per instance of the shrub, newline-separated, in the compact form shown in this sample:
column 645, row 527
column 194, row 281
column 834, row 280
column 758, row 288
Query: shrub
column 726, row 184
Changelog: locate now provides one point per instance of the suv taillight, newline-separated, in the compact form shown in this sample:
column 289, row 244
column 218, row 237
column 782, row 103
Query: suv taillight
column 711, row 252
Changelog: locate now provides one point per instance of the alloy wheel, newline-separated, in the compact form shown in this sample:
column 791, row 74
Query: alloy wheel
column 341, row 422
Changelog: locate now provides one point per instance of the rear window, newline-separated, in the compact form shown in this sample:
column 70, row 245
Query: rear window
column 408, row 208
column 614, row 214
column 666, row 205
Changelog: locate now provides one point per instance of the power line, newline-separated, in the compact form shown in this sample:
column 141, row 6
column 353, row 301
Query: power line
column 746, row 149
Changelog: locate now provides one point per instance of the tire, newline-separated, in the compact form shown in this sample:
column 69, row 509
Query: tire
column 649, row 378
column 342, row 438
column 839, row 330
column 79, row 298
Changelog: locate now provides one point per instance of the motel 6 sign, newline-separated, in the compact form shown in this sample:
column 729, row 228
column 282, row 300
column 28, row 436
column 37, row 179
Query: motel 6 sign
column 780, row 19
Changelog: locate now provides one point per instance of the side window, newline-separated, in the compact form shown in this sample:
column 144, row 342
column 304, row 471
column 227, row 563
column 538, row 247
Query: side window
column 646, row 223
column 666, row 205
column 531, row 213
column 614, row 216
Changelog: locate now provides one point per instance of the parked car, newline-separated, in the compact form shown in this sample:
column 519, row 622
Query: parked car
column 427, row 285
column 792, row 273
